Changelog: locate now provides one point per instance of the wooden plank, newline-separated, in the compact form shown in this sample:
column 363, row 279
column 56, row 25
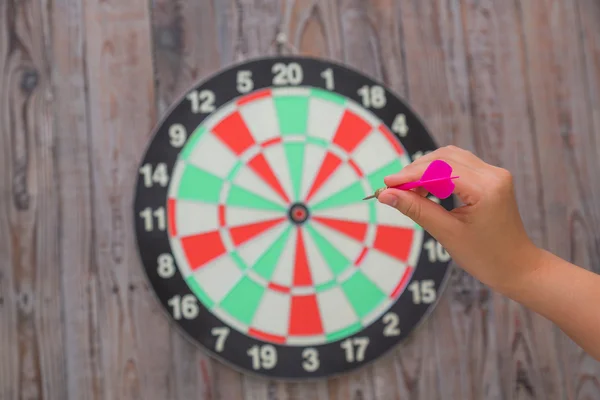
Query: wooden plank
column 499, row 107
column 566, row 150
column 120, row 336
column 31, row 341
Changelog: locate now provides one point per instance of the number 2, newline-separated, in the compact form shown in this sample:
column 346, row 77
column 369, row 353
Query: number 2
column 391, row 321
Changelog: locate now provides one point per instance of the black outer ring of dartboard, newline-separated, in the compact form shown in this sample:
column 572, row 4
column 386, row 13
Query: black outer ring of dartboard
column 152, row 244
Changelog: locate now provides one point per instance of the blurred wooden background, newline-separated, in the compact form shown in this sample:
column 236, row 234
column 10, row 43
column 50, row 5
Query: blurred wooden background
column 82, row 83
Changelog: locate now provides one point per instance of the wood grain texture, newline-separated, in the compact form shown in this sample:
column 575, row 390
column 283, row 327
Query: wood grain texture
column 82, row 83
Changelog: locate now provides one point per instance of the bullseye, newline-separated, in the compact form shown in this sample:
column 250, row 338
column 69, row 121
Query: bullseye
column 298, row 213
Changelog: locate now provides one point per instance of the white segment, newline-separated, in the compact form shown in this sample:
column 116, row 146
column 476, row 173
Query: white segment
column 415, row 251
column 377, row 311
column 343, row 177
column 247, row 179
column 325, row 118
column 176, row 178
column 276, row 158
column 383, row 270
column 386, row 215
column 319, row 270
column 253, row 249
column 374, row 153
column 219, row 114
column 336, row 311
column 194, row 217
column 302, row 290
column 180, row 258
column 349, row 247
column 291, row 91
column 284, row 271
column 211, row 155
column 305, row 340
column 236, row 216
column 272, row 314
column 218, row 277
column 358, row 212
column 313, row 158
column 363, row 113
column 261, row 119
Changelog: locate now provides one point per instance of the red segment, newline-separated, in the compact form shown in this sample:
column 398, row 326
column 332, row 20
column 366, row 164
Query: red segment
column 391, row 138
column 222, row 215
column 351, row 131
column 260, row 165
column 355, row 167
column 356, row 230
column 254, row 96
column 328, row 167
column 171, row 216
column 243, row 233
column 278, row 288
column 402, row 282
column 271, row 142
column 302, row 275
column 394, row 241
column 361, row 256
column 200, row 249
column 266, row 336
column 233, row 132
column 305, row 318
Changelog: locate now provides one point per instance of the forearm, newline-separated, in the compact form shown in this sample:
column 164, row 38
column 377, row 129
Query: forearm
column 567, row 295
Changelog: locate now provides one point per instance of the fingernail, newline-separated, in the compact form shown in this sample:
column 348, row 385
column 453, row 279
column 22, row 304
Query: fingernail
column 388, row 199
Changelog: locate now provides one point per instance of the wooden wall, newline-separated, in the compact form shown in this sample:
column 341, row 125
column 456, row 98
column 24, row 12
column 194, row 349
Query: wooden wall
column 82, row 83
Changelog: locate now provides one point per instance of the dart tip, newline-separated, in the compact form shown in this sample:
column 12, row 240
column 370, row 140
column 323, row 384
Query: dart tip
column 376, row 194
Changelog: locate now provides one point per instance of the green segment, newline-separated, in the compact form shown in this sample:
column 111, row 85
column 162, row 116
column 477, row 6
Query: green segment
column 317, row 141
column 234, row 171
column 189, row 146
column 363, row 294
column 336, row 261
column 241, row 197
column 242, row 301
column 349, row 195
column 200, row 294
column 295, row 155
column 342, row 333
column 373, row 212
column 265, row 265
column 329, row 96
column 199, row 185
column 238, row 261
column 323, row 287
column 376, row 178
column 292, row 112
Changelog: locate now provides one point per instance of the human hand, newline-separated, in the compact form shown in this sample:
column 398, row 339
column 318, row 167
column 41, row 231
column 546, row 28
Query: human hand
column 485, row 236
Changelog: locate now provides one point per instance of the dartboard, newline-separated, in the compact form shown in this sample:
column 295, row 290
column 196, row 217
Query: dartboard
column 251, row 226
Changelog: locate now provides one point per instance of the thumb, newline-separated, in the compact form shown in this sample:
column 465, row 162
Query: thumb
column 431, row 216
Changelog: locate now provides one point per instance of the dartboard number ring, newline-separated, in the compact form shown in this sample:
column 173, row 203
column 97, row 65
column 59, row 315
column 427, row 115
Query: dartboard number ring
column 251, row 227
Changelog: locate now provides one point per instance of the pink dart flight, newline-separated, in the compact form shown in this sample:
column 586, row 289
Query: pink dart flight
column 436, row 179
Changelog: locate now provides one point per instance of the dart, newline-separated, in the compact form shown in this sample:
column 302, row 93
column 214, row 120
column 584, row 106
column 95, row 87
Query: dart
column 436, row 179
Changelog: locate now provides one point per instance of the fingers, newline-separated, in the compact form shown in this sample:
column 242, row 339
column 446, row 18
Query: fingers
column 464, row 164
column 431, row 216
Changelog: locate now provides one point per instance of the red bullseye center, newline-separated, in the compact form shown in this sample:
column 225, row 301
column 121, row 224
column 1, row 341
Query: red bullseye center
column 298, row 213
